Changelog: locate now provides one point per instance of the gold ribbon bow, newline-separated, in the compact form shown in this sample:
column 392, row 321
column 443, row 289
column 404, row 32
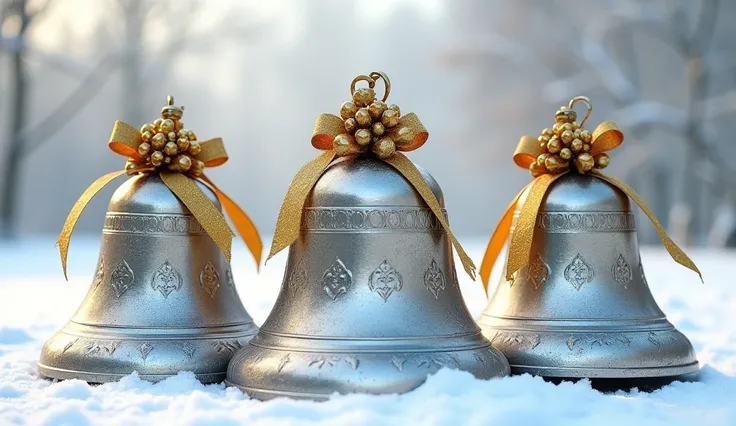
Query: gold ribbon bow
column 549, row 157
column 143, row 157
column 365, row 124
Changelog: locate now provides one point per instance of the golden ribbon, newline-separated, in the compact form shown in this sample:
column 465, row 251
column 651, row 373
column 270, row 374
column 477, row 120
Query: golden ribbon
column 125, row 140
column 607, row 136
column 326, row 128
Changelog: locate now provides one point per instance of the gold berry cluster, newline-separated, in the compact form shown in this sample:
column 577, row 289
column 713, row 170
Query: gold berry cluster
column 369, row 121
column 565, row 145
column 166, row 143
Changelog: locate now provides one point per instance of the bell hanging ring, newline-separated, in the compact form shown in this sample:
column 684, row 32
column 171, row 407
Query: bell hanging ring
column 370, row 301
column 582, row 306
column 162, row 299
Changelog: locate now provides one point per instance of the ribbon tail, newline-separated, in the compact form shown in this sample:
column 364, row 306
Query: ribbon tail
column 71, row 220
column 209, row 216
column 288, row 224
column 245, row 226
column 401, row 163
column 495, row 244
column 520, row 246
column 677, row 254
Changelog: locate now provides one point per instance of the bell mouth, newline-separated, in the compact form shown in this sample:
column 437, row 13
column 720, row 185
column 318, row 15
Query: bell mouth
column 644, row 384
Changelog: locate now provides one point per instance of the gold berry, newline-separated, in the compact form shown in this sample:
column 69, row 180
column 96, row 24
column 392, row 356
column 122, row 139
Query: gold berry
column 347, row 110
column 567, row 126
column 543, row 139
column 555, row 164
column 548, row 132
column 554, row 146
column 585, row 136
column 146, row 128
column 566, row 136
column 384, row 148
column 376, row 109
column 602, row 160
column 171, row 149
column 341, row 144
column 351, row 125
column 576, row 145
column 586, row 147
column 146, row 136
column 167, row 125
column 378, row 129
column 158, row 141
column 390, row 118
column 157, row 158
column 144, row 149
column 404, row 136
column 363, row 117
column 157, row 124
column 536, row 170
column 194, row 147
column 183, row 163
column 364, row 96
column 395, row 108
column 584, row 162
column 363, row 137
column 565, row 153
column 182, row 144
column 171, row 136
column 542, row 158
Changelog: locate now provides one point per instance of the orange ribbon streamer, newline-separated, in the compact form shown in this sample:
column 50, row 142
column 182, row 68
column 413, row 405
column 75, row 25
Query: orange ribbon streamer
column 607, row 136
column 326, row 128
column 125, row 140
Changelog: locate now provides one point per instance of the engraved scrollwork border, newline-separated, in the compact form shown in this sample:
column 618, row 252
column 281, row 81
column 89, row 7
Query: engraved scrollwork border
column 151, row 224
column 373, row 219
column 586, row 222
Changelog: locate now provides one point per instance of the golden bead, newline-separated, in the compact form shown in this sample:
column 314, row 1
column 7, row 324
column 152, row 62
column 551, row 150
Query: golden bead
column 183, row 162
column 130, row 165
column 167, row 125
column 566, row 136
column 146, row 128
column 585, row 136
column 341, row 144
column 543, row 139
column 364, row 96
column 363, row 137
column 194, row 147
column 171, row 136
column 537, row 170
column 542, row 158
column 396, row 109
column 197, row 167
column 554, row 146
column 555, row 164
column 584, row 162
column 191, row 136
column 146, row 136
column 144, row 149
column 378, row 129
column 390, row 118
column 351, row 125
column 158, row 141
column 557, row 129
column 377, row 108
column 157, row 124
column 565, row 153
column 576, row 134
column 183, row 133
column 548, row 132
column 576, row 145
column 575, row 125
column 171, row 149
column 347, row 110
column 384, row 148
column 363, row 117
column 182, row 144
column 586, row 147
column 602, row 160
column 404, row 136
column 157, row 158
column 567, row 126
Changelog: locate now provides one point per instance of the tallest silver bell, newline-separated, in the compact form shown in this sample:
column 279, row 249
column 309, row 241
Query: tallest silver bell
column 582, row 306
column 370, row 301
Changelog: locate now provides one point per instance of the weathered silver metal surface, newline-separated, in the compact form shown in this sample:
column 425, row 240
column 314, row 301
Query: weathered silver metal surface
column 369, row 302
column 162, row 299
column 582, row 307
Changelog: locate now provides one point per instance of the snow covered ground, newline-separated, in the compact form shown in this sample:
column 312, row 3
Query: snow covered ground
column 35, row 302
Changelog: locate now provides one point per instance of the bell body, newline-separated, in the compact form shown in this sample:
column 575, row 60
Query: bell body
column 369, row 302
column 582, row 306
column 162, row 299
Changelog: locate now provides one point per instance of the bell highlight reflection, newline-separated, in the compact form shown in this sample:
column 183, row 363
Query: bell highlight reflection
column 162, row 299
column 582, row 306
column 370, row 301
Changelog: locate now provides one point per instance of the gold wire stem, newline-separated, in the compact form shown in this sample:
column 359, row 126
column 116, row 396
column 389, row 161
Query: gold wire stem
column 588, row 105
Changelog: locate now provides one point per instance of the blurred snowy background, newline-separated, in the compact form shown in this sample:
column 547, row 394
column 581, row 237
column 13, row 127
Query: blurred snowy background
column 479, row 73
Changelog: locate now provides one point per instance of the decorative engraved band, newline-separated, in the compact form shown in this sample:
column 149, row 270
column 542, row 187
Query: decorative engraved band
column 370, row 219
column 151, row 224
column 589, row 222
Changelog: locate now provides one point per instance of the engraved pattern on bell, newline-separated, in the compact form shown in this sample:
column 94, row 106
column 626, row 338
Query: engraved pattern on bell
column 585, row 229
column 166, row 279
column 384, row 280
column 434, row 279
column 538, row 271
column 209, row 279
column 298, row 276
column 578, row 272
column 122, row 278
column 151, row 248
column 100, row 273
column 621, row 271
column 337, row 279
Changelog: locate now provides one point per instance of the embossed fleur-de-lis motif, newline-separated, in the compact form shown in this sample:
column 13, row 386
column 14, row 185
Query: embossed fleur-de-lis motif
column 121, row 278
column 621, row 271
column 578, row 272
column 538, row 271
column 398, row 363
column 297, row 278
column 209, row 279
column 95, row 347
column 434, row 279
column 231, row 346
column 438, row 361
column 530, row 340
column 145, row 349
column 319, row 361
column 100, row 273
column 337, row 279
column 188, row 350
column 384, row 280
column 282, row 362
column 600, row 339
column 656, row 338
column 69, row 344
column 166, row 279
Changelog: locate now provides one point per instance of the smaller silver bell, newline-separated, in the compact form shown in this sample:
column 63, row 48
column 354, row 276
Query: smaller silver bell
column 162, row 299
column 582, row 306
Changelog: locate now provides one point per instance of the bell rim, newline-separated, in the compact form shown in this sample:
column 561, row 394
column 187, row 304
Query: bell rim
column 607, row 373
column 55, row 373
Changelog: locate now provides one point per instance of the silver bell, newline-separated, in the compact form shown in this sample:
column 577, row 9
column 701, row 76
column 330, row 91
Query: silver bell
column 582, row 306
column 162, row 299
column 370, row 301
